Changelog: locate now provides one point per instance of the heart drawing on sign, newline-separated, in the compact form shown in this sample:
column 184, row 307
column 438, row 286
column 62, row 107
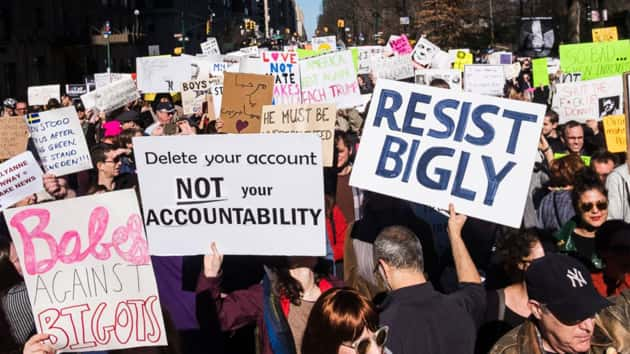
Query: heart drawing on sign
column 274, row 56
column 241, row 125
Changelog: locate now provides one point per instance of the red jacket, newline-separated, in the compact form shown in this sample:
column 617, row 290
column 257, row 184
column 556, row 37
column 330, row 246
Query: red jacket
column 338, row 237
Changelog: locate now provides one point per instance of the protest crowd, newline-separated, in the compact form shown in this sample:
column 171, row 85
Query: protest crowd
column 401, row 199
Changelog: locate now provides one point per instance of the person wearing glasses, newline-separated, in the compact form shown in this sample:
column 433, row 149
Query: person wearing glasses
column 107, row 163
column 577, row 236
column 21, row 108
column 343, row 321
column 165, row 112
column 421, row 319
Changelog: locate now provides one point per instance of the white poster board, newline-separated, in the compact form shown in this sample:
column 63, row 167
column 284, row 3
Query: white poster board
column 285, row 68
column 39, row 95
column 237, row 190
column 591, row 99
column 366, row 53
column 104, row 79
column 88, row 272
column 20, row 177
column 111, row 96
column 210, row 47
column 194, row 94
column 424, row 51
column 396, row 67
column 60, row 141
column 452, row 77
column 325, row 43
column 436, row 146
column 164, row 74
column 484, row 79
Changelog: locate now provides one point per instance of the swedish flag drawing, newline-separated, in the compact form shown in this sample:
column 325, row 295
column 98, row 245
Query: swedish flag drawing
column 33, row 118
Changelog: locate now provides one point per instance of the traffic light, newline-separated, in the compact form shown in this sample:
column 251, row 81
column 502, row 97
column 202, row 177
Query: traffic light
column 208, row 27
column 178, row 50
column 341, row 23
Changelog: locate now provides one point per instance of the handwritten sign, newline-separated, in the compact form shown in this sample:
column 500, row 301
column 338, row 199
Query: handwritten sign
column 194, row 95
column 243, row 99
column 19, row 178
column 400, row 44
column 424, row 51
column 60, row 142
column 39, row 95
column 314, row 118
column 462, row 59
column 484, row 79
column 596, row 60
column 605, row 34
column 241, row 193
column 512, row 71
column 210, row 47
column 540, row 72
column 112, row 96
column 393, row 67
column 13, row 137
column 165, row 74
column 366, row 53
column 330, row 78
column 285, row 69
column 615, row 133
column 452, row 77
column 570, row 77
column 104, row 79
column 325, row 43
column 89, row 277
column 436, row 146
column 592, row 99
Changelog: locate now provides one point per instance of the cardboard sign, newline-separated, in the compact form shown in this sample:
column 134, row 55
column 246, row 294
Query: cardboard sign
column 104, row 79
column 89, row 276
column 39, row 95
column 210, row 47
column 13, row 137
column 326, row 43
column 605, row 34
column 540, row 72
column 462, row 59
column 60, row 142
column 400, row 45
column 238, row 190
column 593, row 99
column 452, row 77
column 285, row 69
column 20, row 177
column 243, row 99
column 424, row 51
column 165, row 74
column 484, row 79
column 596, row 60
column 393, row 67
column 366, row 53
column 330, row 78
column 112, row 96
column 436, row 146
column 313, row 118
column 615, row 133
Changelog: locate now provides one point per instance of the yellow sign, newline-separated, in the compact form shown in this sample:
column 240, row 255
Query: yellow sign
column 605, row 34
column 462, row 58
column 615, row 133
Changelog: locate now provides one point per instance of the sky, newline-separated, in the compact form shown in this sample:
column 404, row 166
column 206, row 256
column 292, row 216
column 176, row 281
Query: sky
column 311, row 9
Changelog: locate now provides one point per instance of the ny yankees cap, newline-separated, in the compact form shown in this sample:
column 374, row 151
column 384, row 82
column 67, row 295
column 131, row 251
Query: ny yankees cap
column 565, row 287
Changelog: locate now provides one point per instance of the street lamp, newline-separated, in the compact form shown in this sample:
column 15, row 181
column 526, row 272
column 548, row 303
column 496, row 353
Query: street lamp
column 136, row 32
column 106, row 33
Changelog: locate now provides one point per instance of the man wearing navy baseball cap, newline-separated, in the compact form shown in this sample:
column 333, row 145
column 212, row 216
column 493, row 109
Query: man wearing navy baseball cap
column 564, row 304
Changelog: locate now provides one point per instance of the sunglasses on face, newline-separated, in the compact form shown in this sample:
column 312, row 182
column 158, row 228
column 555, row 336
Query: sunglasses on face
column 362, row 345
column 114, row 160
column 601, row 205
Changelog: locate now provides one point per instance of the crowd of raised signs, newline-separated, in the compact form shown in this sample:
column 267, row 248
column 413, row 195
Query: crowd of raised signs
column 379, row 199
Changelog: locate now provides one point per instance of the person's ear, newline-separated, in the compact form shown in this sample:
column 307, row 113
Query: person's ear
column 535, row 308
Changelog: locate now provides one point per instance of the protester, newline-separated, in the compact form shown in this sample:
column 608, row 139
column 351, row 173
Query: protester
column 8, row 107
column 130, row 120
column 550, row 130
column 336, row 227
column 573, row 139
column 563, row 303
column 618, row 185
column 345, row 149
column 21, row 108
column 165, row 112
column 603, row 163
column 343, row 321
column 420, row 319
column 37, row 345
column 612, row 243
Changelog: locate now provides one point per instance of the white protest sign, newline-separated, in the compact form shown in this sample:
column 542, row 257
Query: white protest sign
column 112, row 96
column 253, row 50
column 441, row 60
column 164, row 74
column 452, row 77
column 592, row 99
column 570, row 77
column 210, row 47
column 104, row 79
column 330, row 78
column 285, row 68
column 88, row 272
column 324, row 43
column 60, row 141
column 393, row 68
column 424, row 51
column 512, row 71
column 366, row 53
column 237, row 190
column 194, row 94
column 20, row 177
column 314, row 118
column 484, row 79
column 436, row 146
column 216, row 91
column 39, row 95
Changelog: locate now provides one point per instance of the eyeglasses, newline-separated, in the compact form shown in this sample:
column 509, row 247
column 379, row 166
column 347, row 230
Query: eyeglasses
column 114, row 160
column 362, row 345
column 601, row 205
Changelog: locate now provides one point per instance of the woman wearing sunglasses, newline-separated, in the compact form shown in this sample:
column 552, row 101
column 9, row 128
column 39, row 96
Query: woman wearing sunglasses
column 343, row 322
column 577, row 236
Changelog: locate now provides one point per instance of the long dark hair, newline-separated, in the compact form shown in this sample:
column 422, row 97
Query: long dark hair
column 9, row 277
column 586, row 181
column 287, row 286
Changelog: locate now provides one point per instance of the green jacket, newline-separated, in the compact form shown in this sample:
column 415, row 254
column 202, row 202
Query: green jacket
column 566, row 244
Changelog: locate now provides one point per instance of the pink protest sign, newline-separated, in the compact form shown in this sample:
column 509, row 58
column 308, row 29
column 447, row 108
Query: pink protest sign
column 86, row 266
column 286, row 76
column 400, row 45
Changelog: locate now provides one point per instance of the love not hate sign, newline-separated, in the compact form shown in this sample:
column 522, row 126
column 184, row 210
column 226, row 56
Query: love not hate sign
column 435, row 146
column 89, row 278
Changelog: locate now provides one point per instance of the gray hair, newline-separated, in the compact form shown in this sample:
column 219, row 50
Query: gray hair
column 400, row 248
